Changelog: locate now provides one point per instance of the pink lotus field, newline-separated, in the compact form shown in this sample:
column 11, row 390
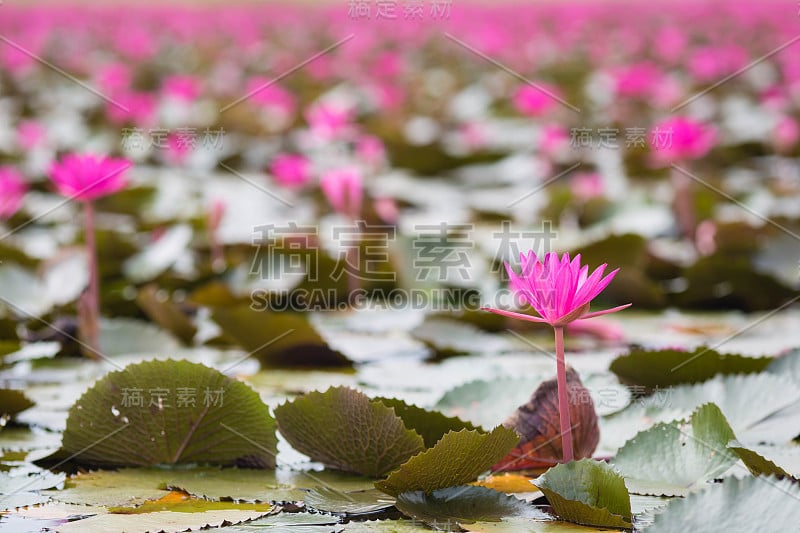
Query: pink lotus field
column 400, row 265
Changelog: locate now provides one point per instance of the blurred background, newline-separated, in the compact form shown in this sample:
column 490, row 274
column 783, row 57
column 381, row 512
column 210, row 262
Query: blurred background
column 288, row 152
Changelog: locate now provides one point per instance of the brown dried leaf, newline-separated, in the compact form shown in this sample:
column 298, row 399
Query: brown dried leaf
column 538, row 423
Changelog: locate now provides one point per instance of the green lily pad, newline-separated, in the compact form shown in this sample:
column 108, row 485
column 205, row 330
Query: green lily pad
column 466, row 504
column 587, row 492
column 110, row 488
column 386, row 526
column 488, row 403
column 290, row 523
column 749, row 504
column 125, row 336
column 779, row 461
column 169, row 412
column 165, row 313
column 346, row 430
column 240, row 485
column 787, row 364
column 159, row 256
column 449, row 337
column 526, row 525
column 190, row 505
column 430, row 425
column 309, row 479
column 24, row 490
column 664, row 368
column 167, row 521
column 748, row 402
column 330, row 500
column 676, row 458
column 277, row 339
column 13, row 401
column 458, row 458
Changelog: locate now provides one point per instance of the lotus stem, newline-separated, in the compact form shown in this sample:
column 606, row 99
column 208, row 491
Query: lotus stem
column 90, row 310
column 563, row 396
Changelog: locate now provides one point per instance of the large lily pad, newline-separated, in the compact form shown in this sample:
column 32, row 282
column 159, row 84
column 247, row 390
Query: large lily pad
column 165, row 313
column 488, row 403
column 13, row 401
column 23, row 490
column 664, row 368
column 587, row 492
column 346, row 430
column 458, row 458
column 779, row 461
column 353, row 503
column 163, row 521
column 449, row 337
column 431, row 425
column 749, row 504
column 679, row 457
column 290, row 523
column 747, row 401
column 169, row 412
column 453, row 506
column 277, row 339
column 181, row 502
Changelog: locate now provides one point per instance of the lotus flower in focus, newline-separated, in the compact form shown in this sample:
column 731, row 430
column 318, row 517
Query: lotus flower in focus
column 12, row 191
column 88, row 177
column 559, row 290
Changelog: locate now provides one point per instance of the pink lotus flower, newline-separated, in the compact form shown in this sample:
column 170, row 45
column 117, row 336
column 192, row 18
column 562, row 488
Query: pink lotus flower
column 681, row 139
column 534, row 101
column 587, row 185
column 270, row 95
column 88, row 177
column 12, row 191
column 115, row 78
column 558, row 290
column 369, row 149
column 184, row 88
column 712, row 63
column 179, row 147
column 136, row 108
column 554, row 140
column 328, row 120
column 638, row 80
column 386, row 209
column 344, row 190
column 291, row 170
column 786, row 134
column 30, row 134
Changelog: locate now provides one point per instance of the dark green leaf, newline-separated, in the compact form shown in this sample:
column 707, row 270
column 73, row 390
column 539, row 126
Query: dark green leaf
column 466, row 504
column 663, row 368
column 430, row 425
column 679, row 457
column 587, row 492
column 346, row 430
column 458, row 458
column 170, row 412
